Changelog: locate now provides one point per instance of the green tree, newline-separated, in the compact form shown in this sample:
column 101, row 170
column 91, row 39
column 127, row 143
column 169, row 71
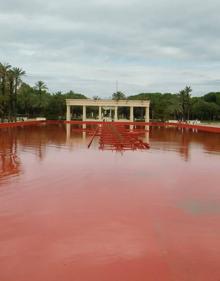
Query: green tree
column 4, row 69
column 17, row 74
column 10, row 80
column 56, row 107
column 185, row 102
column 27, row 103
column 118, row 96
column 73, row 95
column 40, row 88
column 96, row 98
column 204, row 110
column 212, row 97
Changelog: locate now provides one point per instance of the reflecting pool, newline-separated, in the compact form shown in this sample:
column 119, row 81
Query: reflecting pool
column 69, row 212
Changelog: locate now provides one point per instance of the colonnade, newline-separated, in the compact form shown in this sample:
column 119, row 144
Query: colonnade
column 100, row 118
column 107, row 103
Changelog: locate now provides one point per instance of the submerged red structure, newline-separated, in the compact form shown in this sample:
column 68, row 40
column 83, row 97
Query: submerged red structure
column 114, row 136
column 117, row 137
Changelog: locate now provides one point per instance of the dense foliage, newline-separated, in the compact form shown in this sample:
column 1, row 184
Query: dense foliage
column 182, row 106
column 33, row 101
column 20, row 99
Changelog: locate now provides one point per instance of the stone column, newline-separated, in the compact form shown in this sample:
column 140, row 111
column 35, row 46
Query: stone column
column 100, row 113
column 68, row 116
column 131, row 117
column 84, row 118
column 147, row 117
column 68, row 132
column 84, row 113
column 116, row 113
column 131, row 114
column 84, row 134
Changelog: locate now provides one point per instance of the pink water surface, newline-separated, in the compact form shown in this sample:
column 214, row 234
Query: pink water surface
column 72, row 213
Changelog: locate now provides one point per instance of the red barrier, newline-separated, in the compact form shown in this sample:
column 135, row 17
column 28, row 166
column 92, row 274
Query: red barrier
column 157, row 124
column 20, row 124
column 203, row 128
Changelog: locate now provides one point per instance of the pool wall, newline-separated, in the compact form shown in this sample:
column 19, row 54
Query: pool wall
column 203, row 128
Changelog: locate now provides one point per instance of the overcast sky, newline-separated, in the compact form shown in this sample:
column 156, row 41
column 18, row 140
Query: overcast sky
column 85, row 46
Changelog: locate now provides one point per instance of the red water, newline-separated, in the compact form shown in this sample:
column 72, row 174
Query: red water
column 72, row 213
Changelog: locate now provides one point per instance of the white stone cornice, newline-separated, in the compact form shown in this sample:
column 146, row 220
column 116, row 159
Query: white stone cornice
column 90, row 102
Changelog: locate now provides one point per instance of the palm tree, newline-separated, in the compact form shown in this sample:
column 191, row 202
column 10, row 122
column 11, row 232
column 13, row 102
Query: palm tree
column 40, row 86
column 4, row 68
column 17, row 73
column 10, row 81
column 188, row 90
column 185, row 102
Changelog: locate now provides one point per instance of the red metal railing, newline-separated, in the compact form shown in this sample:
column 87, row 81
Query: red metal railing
column 157, row 124
column 117, row 137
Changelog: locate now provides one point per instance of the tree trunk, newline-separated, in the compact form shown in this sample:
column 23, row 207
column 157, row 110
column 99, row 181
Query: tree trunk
column 11, row 100
column 15, row 100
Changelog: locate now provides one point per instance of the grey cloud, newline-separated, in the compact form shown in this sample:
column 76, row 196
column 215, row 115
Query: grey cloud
column 147, row 45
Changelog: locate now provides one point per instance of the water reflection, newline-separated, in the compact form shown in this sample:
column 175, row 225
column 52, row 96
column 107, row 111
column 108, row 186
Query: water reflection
column 38, row 139
column 183, row 141
column 9, row 160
